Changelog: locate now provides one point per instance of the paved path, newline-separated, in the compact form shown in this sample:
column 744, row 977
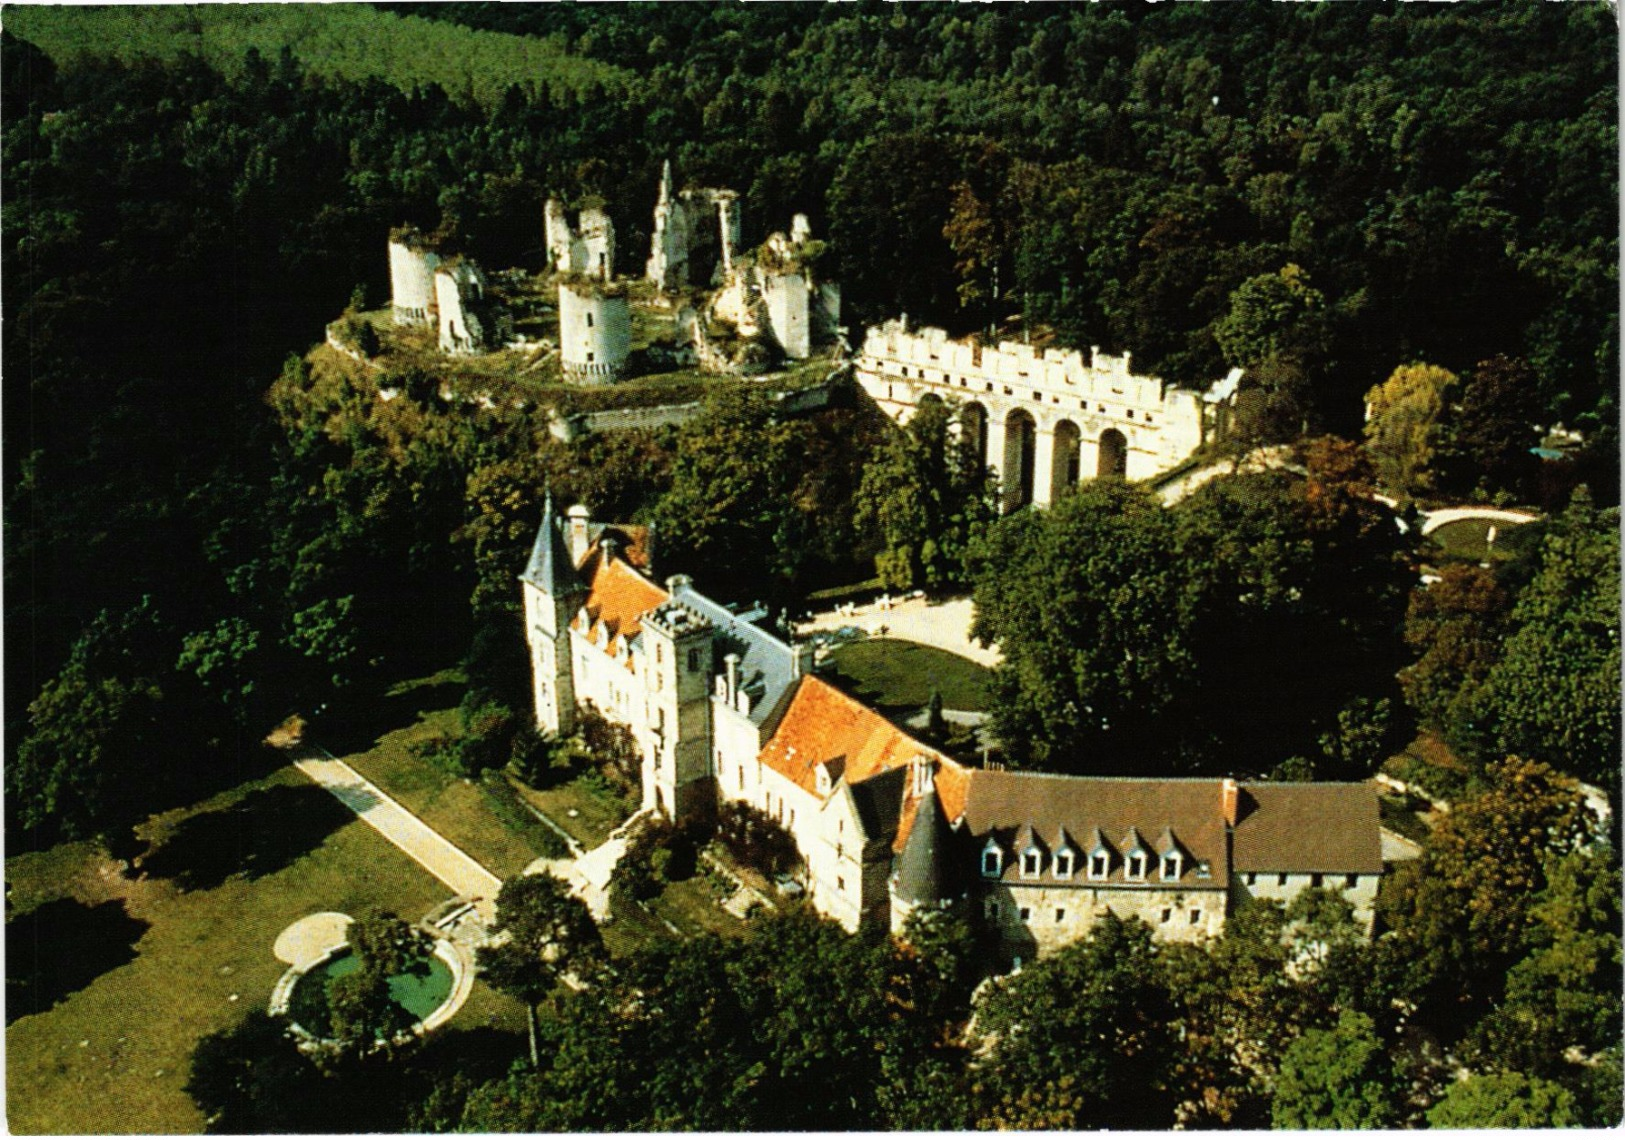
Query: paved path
column 436, row 854
column 1433, row 520
column 943, row 625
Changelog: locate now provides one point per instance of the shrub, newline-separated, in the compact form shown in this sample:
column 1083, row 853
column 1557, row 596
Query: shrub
column 755, row 840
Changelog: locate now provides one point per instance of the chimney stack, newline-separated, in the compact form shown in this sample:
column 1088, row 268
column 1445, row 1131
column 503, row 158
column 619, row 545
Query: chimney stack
column 1229, row 796
column 732, row 663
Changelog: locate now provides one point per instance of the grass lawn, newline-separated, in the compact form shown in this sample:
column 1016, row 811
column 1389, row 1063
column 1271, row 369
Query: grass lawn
column 1466, row 539
column 459, row 809
column 598, row 810
column 898, row 676
column 139, row 970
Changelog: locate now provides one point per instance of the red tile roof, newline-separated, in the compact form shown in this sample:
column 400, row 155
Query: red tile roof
column 823, row 724
column 617, row 599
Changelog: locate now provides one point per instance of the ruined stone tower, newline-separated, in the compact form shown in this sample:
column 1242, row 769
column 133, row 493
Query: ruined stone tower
column 595, row 332
column 413, row 260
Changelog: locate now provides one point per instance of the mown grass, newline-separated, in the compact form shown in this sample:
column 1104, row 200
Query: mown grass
column 460, row 809
column 1468, row 539
column 898, row 676
column 598, row 808
column 113, row 1055
column 340, row 41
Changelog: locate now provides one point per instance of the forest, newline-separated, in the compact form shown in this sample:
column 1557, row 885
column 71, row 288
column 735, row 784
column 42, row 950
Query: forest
column 1406, row 209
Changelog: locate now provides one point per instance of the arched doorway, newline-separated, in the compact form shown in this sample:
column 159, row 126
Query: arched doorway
column 1113, row 455
column 1064, row 462
column 1017, row 473
column 973, row 428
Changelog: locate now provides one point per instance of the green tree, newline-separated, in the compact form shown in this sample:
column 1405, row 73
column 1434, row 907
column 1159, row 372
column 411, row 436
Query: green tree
column 1272, row 316
column 1504, row 1100
column 1403, row 425
column 1336, row 1078
column 1081, row 1038
column 1554, row 694
column 1214, row 633
column 924, row 490
column 87, row 765
column 1459, row 913
column 542, row 934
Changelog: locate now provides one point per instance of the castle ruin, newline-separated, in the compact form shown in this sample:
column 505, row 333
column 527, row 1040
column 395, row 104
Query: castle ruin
column 595, row 331
column 587, row 248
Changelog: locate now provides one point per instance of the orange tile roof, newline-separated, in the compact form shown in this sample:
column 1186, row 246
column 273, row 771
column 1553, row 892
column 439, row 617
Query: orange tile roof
column 823, row 723
column 616, row 600
column 953, row 789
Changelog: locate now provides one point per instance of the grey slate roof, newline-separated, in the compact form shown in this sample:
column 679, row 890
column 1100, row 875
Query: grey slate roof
column 926, row 865
column 551, row 568
column 766, row 664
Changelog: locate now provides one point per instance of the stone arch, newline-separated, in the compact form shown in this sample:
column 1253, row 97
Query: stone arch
column 1020, row 439
column 1113, row 454
column 973, row 427
column 1066, row 460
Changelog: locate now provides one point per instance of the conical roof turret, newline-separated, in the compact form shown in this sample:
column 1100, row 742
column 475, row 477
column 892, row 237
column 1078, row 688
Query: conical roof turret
column 925, row 867
column 550, row 569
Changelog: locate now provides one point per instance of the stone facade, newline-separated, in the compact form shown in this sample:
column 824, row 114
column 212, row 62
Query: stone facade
column 1044, row 419
column 696, row 233
column 722, row 710
column 595, row 332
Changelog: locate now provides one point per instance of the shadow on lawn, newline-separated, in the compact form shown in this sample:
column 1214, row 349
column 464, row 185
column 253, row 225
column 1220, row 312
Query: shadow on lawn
column 356, row 724
column 258, row 835
column 61, row 947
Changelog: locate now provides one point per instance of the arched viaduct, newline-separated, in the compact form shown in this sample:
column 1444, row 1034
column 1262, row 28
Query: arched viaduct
column 1043, row 420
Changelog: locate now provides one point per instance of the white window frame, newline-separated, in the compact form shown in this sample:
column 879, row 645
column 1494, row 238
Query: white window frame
column 1172, row 859
column 1134, row 867
column 1032, row 863
column 1100, row 866
column 993, row 850
column 1065, row 863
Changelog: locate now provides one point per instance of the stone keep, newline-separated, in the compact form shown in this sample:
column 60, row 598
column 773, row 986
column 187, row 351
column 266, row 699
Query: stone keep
column 585, row 249
column 412, row 265
column 595, row 333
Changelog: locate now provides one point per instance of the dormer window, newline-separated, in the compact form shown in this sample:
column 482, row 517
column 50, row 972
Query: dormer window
column 992, row 860
column 1136, row 865
column 1171, row 865
column 1031, row 863
column 1063, row 863
column 1100, row 865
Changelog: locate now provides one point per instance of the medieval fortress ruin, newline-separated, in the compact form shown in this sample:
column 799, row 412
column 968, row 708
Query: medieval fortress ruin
column 733, row 312
column 1042, row 419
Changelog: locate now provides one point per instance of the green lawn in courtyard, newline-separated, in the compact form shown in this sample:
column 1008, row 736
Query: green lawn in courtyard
column 1467, row 539
column 140, row 968
column 898, row 676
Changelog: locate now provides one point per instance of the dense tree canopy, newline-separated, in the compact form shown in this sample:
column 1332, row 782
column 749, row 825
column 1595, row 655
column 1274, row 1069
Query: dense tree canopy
column 1224, row 633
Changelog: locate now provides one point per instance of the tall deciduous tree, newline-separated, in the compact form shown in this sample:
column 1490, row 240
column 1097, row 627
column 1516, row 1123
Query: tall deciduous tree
column 1337, row 1078
column 1081, row 1038
column 542, row 933
column 1402, row 429
column 927, row 494
column 1554, row 694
